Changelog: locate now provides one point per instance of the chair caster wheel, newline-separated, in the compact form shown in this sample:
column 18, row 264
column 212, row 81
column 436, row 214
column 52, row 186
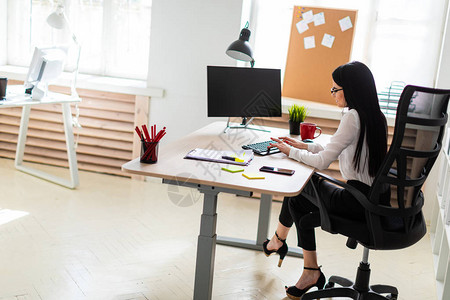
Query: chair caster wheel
column 329, row 285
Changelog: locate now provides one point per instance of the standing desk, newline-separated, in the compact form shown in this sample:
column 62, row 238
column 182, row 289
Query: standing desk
column 16, row 98
column 210, row 180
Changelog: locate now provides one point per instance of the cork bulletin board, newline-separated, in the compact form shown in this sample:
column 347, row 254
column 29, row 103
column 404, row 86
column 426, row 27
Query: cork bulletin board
column 321, row 40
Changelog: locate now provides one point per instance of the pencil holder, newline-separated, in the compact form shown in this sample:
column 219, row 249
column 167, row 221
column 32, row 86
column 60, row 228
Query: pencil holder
column 149, row 152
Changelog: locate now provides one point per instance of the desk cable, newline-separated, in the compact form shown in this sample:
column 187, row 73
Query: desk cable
column 76, row 124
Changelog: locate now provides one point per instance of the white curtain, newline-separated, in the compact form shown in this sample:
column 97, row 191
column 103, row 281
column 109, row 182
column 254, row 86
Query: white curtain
column 407, row 40
column 114, row 34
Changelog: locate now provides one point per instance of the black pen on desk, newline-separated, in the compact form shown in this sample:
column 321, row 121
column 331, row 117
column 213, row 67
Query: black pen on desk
column 232, row 158
column 229, row 158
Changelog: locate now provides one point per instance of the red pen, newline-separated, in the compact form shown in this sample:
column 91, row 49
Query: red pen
column 147, row 136
column 161, row 136
column 139, row 133
column 161, row 132
column 153, row 132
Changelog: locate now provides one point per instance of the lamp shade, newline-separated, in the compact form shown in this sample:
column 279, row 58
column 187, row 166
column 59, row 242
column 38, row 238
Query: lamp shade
column 57, row 19
column 240, row 49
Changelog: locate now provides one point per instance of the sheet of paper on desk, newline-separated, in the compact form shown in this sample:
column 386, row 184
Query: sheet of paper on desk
column 216, row 155
column 15, row 89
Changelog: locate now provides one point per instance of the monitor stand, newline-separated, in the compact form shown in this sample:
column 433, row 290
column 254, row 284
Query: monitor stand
column 39, row 91
column 243, row 125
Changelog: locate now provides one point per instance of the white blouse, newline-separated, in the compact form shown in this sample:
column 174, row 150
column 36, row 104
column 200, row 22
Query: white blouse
column 342, row 146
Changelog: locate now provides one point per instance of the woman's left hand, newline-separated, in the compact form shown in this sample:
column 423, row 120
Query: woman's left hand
column 294, row 143
column 280, row 145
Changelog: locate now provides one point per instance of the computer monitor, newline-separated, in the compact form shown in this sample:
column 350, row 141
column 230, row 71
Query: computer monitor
column 243, row 92
column 46, row 65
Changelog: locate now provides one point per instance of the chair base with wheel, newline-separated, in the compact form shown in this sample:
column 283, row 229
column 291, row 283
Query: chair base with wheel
column 360, row 289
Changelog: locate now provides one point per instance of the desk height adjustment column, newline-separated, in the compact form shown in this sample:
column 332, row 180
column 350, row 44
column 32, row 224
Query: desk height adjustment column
column 206, row 246
column 207, row 240
column 265, row 208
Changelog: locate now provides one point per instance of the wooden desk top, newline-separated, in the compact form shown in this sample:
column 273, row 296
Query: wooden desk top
column 172, row 165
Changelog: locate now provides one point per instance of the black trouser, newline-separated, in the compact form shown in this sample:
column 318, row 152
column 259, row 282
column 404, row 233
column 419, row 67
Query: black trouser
column 336, row 200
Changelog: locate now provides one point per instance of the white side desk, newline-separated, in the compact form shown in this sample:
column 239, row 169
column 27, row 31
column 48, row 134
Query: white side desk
column 16, row 98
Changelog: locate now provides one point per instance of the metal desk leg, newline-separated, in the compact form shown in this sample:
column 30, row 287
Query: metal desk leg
column 265, row 207
column 206, row 248
column 71, row 154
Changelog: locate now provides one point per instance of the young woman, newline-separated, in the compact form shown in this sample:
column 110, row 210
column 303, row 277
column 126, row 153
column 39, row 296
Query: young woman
column 360, row 143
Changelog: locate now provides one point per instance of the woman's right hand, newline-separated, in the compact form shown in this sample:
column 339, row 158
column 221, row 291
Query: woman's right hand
column 294, row 143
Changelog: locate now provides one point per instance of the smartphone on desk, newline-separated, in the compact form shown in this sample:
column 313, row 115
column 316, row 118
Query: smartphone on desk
column 277, row 170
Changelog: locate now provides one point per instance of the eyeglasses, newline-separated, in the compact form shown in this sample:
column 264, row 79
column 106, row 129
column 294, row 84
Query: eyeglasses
column 335, row 90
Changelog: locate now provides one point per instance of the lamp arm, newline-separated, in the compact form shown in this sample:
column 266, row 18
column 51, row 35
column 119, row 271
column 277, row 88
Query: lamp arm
column 75, row 71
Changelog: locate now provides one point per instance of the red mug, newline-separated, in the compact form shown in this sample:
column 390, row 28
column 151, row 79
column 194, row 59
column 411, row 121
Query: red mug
column 307, row 131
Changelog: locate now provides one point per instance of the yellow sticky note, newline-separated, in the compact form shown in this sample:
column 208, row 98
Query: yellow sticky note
column 233, row 169
column 253, row 175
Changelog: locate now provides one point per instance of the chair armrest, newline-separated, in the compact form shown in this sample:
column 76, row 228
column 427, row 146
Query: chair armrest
column 362, row 199
column 325, row 222
column 372, row 208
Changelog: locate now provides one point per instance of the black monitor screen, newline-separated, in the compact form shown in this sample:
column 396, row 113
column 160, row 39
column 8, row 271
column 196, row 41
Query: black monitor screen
column 243, row 92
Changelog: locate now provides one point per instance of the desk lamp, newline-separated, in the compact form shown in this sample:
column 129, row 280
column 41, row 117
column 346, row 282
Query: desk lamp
column 241, row 50
column 58, row 20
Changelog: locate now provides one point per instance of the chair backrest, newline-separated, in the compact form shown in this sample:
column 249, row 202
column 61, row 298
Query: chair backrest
column 416, row 144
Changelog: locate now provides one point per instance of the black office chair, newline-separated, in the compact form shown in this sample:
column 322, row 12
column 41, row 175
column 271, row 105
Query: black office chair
column 421, row 113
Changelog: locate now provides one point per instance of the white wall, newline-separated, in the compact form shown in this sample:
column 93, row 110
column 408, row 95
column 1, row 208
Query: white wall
column 186, row 36
column 443, row 72
column 3, row 27
column 443, row 82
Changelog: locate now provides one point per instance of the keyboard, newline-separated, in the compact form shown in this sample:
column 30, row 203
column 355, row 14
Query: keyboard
column 261, row 148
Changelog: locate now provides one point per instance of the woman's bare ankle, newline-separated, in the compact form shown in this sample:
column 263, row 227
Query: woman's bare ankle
column 308, row 278
column 274, row 244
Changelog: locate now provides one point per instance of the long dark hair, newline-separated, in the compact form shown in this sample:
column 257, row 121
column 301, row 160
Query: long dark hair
column 361, row 94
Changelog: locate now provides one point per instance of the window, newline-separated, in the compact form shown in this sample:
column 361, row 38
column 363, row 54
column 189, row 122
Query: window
column 406, row 41
column 114, row 34
column 398, row 39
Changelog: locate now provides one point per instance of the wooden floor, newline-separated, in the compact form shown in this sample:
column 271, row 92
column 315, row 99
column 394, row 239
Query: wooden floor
column 115, row 238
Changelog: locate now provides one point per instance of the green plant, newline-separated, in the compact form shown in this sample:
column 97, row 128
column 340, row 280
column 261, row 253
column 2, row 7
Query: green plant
column 297, row 113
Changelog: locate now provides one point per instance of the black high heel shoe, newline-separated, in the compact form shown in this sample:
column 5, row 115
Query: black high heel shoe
column 282, row 251
column 295, row 293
